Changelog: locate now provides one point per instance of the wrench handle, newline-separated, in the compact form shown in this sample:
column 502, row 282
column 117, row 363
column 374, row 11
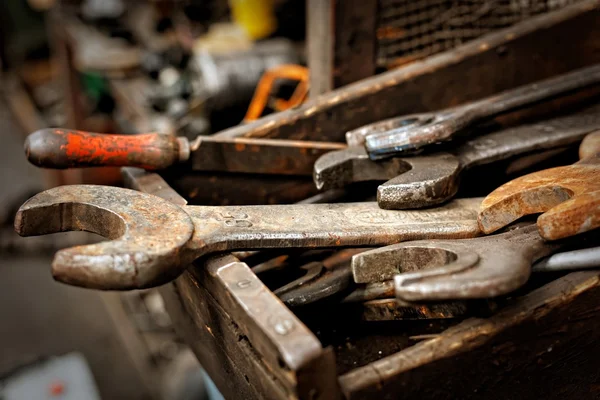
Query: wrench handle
column 546, row 135
column 526, row 95
column 63, row 148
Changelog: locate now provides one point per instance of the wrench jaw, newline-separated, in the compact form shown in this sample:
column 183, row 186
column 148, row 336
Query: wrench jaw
column 140, row 254
column 431, row 181
column 441, row 270
column 340, row 168
column 427, row 130
column 113, row 265
column 511, row 202
column 464, row 279
column 411, row 286
column 382, row 264
column 480, row 273
column 542, row 191
column 577, row 215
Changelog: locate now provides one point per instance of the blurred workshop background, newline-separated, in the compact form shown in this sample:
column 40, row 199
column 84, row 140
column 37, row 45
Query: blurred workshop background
column 185, row 67
column 189, row 67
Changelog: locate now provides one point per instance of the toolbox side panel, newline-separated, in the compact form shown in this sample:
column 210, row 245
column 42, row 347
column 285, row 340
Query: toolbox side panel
column 546, row 345
column 210, row 333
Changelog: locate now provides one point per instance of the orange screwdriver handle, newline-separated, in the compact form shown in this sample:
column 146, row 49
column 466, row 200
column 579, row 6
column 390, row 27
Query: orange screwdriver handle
column 63, row 148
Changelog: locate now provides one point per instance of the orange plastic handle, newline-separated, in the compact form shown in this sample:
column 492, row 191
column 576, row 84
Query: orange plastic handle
column 263, row 89
column 62, row 148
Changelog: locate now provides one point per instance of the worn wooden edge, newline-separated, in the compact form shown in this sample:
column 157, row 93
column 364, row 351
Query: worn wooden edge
column 296, row 360
column 286, row 344
column 221, row 347
column 138, row 179
column 469, row 335
column 328, row 116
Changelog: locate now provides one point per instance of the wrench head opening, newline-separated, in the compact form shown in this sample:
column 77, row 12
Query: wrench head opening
column 542, row 191
column 382, row 264
column 147, row 233
column 432, row 180
column 339, row 168
column 440, row 270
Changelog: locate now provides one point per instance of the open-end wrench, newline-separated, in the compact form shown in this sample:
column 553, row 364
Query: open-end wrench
column 429, row 180
column 380, row 266
column 320, row 283
column 413, row 132
column 568, row 197
column 62, row 148
column 154, row 240
column 322, row 279
column 483, row 267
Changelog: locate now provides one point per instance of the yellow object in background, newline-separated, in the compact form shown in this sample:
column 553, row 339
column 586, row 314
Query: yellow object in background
column 256, row 17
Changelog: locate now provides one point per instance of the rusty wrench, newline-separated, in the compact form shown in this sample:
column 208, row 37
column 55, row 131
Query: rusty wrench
column 568, row 197
column 324, row 283
column 154, row 240
column 429, row 180
column 482, row 267
column 413, row 132
column 322, row 279
column 373, row 265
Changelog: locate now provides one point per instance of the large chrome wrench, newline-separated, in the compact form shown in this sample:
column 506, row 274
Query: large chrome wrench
column 153, row 240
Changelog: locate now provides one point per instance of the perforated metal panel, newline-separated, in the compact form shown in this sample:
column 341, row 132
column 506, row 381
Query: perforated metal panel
column 412, row 29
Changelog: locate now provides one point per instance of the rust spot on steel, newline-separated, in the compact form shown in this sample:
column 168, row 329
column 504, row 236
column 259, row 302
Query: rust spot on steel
column 568, row 196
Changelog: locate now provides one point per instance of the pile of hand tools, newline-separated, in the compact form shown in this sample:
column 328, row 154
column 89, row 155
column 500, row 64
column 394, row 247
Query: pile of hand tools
column 436, row 248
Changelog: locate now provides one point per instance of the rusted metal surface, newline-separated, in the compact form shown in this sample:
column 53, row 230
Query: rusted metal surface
column 429, row 180
column 393, row 310
column 143, row 253
column 371, row 291
column 249, row 343
column 446, row 79
column 460, row 269
column 494, row 352
column 590, row 145
column 58, row 148
column 322, row 279
column 417, row 131
column 568, row 197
